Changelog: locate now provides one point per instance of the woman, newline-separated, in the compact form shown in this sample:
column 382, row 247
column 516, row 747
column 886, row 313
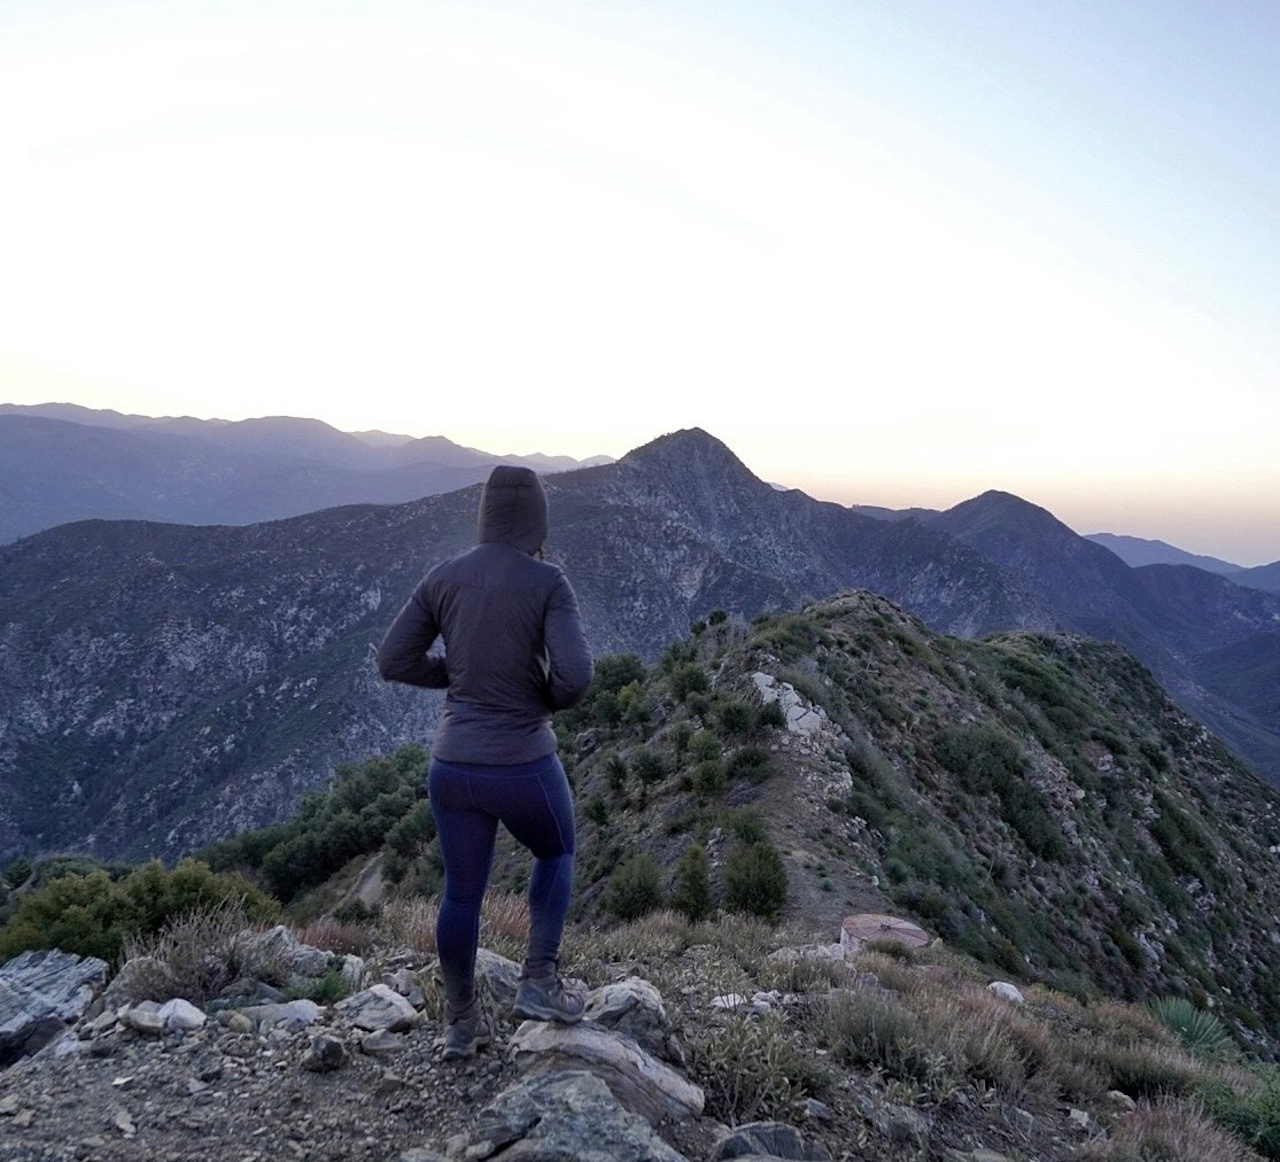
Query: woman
column 514, row 651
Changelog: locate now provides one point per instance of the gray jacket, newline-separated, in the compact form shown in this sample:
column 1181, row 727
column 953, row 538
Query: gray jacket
column 514, row 649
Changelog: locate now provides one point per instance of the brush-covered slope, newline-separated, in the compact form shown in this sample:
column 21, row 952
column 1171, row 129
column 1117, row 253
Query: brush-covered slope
column 1035, row 800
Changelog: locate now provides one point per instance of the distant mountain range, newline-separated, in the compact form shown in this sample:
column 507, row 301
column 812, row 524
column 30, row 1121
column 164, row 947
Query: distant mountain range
column 60, row 463
column 164, row 685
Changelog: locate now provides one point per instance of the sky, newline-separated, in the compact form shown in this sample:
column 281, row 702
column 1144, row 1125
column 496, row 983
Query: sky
column 892, row 252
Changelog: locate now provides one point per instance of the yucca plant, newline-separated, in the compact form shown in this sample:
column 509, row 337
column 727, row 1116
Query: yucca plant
column 1199, row 1031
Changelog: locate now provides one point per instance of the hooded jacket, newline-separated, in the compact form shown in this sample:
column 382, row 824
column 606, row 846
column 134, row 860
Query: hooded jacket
column 514, row 650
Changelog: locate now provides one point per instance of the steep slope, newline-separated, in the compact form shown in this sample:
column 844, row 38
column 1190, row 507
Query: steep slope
column 1033, row 799
column 1175, row 618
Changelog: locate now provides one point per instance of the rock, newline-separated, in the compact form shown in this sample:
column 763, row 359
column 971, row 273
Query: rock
column 41, row 993
column 181, row 1016
column 639, row 1081
column 324, row 1055
column 1081, row 1120
column 143, row 1018
column 383, row 1043
column 1002, row 988
column 290, row 1016
column 378, row 1007
column 633, row 1008
column 557, row 1116
column 770, row 1139
column 499, row 975
column 897, row 1123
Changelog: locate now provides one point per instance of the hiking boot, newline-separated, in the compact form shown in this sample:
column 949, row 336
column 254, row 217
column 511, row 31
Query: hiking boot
column 548, row 998
column 465, row 1032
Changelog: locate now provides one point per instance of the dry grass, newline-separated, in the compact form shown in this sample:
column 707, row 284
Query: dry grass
column 1168, row 1131
column 196, row 955
column 339, row 936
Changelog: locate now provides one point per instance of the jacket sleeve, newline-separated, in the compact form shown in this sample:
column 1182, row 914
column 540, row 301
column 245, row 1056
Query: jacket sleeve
column 567, row 651
column 403, row 655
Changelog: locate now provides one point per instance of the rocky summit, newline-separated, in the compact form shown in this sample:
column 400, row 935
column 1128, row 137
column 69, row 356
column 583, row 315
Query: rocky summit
column 251, row 1076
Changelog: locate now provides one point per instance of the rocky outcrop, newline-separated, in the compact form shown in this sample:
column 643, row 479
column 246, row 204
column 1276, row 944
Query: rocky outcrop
column 41, row 993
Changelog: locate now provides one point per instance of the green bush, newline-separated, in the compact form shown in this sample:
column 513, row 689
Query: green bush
column 92, row 915
column 635, row 888
column 688, row 678
column 770, row 715
column 647, row 766
column 755, row 880
column 736, row 717
column 704, row 746
column 749, row 762
column 692, row 893
column 1252, row 1116
column 709, row 777
column 17, row 873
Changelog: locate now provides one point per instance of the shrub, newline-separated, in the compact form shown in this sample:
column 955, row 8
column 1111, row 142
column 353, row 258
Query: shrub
column 749, row 762
column 647, row 766
column 16, row 874
column 704, row 746
column 747, row 824
column 735, row 716
column 709, row 777
column 770, row 714
column 688, row 678
column 749, row 1069
column 198, row 954
column 1203, row 1033
column 755, row 880
column 1168, row 1130
column 91, row 915
column 1253, row 1116
column 635, row 888
column 692, row 893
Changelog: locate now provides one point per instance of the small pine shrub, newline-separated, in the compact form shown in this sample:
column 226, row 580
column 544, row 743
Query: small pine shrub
column 635, row 888
column 692, row 893
column 746, row 824
column 596, row 810
column 755, row 880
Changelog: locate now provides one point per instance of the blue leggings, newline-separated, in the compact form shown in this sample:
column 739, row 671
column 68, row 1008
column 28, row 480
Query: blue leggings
column 468, row 802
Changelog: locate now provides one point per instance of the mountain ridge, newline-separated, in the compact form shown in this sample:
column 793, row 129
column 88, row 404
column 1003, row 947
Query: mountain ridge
column 160, row 682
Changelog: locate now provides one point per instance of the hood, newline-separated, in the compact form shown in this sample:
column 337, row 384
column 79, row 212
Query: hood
column 513, row 509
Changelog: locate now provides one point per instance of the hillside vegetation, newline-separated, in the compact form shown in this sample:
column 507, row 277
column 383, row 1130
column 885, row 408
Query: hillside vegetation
column 1033, row 801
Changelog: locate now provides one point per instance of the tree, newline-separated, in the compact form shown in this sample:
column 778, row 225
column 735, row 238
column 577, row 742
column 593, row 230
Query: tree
column 692, row 892
column 755, row 880
column 635, row 889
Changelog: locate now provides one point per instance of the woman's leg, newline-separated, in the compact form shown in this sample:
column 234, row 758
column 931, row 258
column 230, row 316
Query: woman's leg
column 534, row 804
column 467, row 834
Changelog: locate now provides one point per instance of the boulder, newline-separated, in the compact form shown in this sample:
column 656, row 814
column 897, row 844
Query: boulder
column 769, row 1140
column 640, row 1082
column 556, row 1116
column 378, row 1008
column 634, row 1009
column 41, row 993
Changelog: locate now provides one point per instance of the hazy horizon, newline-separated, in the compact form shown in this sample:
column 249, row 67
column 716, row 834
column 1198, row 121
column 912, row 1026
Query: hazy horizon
column 1263, row 559
column 890, row 254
